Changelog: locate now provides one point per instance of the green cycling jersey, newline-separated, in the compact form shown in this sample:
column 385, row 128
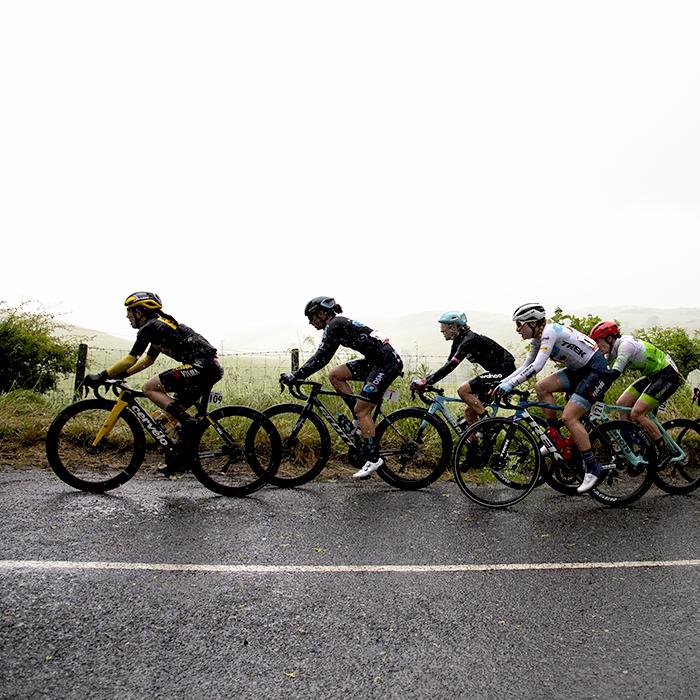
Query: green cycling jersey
column 629, row 352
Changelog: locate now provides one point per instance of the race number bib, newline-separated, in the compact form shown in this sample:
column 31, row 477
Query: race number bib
column 378, row 335
column 597, row 410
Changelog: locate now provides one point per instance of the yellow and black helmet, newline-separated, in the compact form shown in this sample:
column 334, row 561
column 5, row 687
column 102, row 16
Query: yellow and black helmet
column 144, row 300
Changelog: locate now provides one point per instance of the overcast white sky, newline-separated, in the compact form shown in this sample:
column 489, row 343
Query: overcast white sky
column 239, row 158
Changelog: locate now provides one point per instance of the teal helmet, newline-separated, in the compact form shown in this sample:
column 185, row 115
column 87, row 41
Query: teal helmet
column 459, row 318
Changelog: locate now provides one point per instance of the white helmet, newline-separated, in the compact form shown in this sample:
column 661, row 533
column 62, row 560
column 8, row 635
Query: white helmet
column 529, row 312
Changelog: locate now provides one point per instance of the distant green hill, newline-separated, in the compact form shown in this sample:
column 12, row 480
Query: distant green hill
column 97, row 339
column 415, row 334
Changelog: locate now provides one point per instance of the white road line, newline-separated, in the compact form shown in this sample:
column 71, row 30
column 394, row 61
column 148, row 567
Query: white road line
column 351, row 568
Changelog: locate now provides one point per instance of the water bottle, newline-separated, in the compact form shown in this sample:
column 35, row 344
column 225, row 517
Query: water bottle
column 166, row 423
column 555, row 436
column 568, row 447
column 345, row 424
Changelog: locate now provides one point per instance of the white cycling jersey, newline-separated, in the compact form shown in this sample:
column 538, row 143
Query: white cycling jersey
column 559, row 343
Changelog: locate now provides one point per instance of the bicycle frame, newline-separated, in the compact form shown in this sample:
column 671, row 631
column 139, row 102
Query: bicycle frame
column 312, row 401
column 437, row 405
column 599, row 411
column 522, row 413
column 127, row 399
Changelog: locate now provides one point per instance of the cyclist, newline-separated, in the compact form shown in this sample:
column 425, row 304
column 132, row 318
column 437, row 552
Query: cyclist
column 659, row 382
column 586, row 375
column 159, row 332
column 468, row 345
column 378, row 368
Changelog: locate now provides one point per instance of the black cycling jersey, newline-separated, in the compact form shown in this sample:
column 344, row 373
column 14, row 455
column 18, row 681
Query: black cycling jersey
column 468, row 345
column 176, row 340
column 350, row 334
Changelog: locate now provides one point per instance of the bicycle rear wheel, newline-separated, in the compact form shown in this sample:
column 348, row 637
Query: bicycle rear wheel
column 306, row 444
column 497, row 462
column 415, row 447
column 683, row 475
column 237, row 451
column 626, row 478
column 94, row 468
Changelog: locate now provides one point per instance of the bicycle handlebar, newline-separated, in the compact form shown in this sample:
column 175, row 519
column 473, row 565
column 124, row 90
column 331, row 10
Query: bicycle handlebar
column 506, row 400
column 427, row 388
column 296, row 391
column 116, row 385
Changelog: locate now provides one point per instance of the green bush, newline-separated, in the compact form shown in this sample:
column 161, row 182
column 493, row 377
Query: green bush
column 684, row 350
column 31, row 356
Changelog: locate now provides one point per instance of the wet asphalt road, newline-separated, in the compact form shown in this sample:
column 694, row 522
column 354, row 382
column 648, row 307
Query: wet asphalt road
column 157, row 625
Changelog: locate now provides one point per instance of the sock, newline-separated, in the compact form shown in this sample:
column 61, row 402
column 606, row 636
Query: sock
column 370, row 450
column 589, row 460
column 180, row 414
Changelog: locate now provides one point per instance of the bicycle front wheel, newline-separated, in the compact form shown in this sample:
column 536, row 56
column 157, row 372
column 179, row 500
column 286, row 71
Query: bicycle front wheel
column 628, row 458
column 95, row 468
column 306, row 444
column 497, row 462
column 238, row 450
column 415, row 447
column 681, row 475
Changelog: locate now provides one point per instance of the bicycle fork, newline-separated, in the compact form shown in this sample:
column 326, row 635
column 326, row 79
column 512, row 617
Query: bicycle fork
column 111, row 419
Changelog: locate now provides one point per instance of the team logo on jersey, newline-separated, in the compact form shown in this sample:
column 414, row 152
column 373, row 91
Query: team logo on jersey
column 370, row 388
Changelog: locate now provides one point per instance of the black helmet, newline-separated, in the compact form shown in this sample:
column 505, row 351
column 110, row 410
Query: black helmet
column 144, row 300
column 326, row 304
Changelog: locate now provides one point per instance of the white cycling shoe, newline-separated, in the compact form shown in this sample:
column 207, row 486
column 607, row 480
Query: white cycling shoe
column 589, row 481
column 368, row 469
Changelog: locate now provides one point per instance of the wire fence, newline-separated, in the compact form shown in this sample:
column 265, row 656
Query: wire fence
column 252, row 377
column 255, row 367
column 262, row 367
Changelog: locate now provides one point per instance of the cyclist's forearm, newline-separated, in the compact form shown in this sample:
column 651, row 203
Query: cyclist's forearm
column 442, row 372
column 121, row 366
column 145, row 361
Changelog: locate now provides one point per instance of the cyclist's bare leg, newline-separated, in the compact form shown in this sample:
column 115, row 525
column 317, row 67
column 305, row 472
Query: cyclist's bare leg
column 474, row 407
column 155, row 391
column 339, row 377
column 545, row 390
column 572, row 420
column 626, row 399
column 638, row 414
column 363, row 413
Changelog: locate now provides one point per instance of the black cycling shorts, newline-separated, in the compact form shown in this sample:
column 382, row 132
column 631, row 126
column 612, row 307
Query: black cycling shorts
column 482, row 384
column 656, row 388
column 587, row 384
column 377, row 377
column 187, row 383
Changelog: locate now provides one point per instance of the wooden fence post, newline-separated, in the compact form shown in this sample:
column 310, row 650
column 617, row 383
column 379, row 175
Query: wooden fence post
column 295, row 359
column 80, row 372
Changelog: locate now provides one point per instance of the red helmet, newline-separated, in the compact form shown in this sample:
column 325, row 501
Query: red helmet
column 604, row 329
